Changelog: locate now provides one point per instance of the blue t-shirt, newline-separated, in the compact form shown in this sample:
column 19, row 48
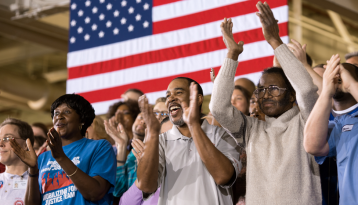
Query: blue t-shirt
column 93, row 157
column 343, row 143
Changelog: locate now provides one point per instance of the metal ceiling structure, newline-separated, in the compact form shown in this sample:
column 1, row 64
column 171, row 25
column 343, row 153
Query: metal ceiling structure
column 34, row 44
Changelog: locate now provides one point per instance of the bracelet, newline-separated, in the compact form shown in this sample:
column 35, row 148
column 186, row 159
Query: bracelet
column 119, row 161
column 73, row 173
column 34, row 175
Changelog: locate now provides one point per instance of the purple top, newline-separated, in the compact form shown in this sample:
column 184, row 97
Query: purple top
column 133, row 196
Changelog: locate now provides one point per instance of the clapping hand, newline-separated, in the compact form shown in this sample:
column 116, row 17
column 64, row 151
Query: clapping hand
column 28, row 157
column 330, row 79
column 55, row 143
column 116, row 131
column 191, row 113
column 138, row 149
column 234, row 49
column 269, row 24
column 148, row 115
column 299, row 51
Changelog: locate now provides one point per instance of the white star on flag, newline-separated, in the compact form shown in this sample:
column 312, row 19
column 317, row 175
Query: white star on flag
column 88, row 3
column 146, row 6
column 138, row 17
column 109, row 24
column 101, row 34
column 73, row 23
column 87, row 37
column 87, row 19
column 109, row 6
column 80, row 13
column 72, row 39
column 94, row 27
column 145, row 24
column 116, row 13
column 124, row 3
column 101, row 17
column 101, row 1
column 94, row 10
column 73, row 6
column 138, row 1
column 80, row 29
column 115, row 31
column 123, row 20
column 131, row 10
column 130, row 28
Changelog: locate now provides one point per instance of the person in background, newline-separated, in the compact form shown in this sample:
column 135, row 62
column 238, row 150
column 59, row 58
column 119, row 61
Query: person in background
column 132, row 94
column 352, row 58
column 279, row 170
column 13, row 181
column 38, row 143
column 160, row 110
column 134, row 195
column 97, row 131
column 126, row 165
column 39, row 129
column 124, row 112
column 241, row 99
column 76, row 170
column 246, row 84
column 338, row 137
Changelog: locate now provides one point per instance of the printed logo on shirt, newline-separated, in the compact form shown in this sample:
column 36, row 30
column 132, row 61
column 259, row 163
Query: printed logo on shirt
column 347, row 128
column 1, row 184
column 59, row 195
column 55, row 166
column 19, row 202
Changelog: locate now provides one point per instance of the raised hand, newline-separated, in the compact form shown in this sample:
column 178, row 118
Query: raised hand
column 55, row 143
column 148, row 115
column 234, row 49
column 116, row 131
column 330, row 79
column 138, row 148
column 269, row 24
column 191, row 113
column 347, row 79
column 28, row 157
column 299, row 51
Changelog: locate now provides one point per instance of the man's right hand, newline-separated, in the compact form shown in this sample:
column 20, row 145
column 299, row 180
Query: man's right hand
column 148, row 115
column 269, row 25
column 330, row 79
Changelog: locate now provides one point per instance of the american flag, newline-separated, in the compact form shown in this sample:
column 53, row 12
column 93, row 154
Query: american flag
column 115, row 45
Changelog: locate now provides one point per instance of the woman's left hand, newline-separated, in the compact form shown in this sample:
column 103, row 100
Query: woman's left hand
column 55, row 144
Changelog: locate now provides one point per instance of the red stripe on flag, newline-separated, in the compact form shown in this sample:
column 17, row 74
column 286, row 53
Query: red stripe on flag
column 167, row 54
column 211, row 15
column 162, row 2
column 149, row 86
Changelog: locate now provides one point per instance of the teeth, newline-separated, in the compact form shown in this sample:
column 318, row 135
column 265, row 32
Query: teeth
column 174, row 107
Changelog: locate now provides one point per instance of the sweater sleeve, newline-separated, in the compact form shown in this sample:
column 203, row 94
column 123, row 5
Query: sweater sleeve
column 231, row 119
column 301, row 81
column 133, row 196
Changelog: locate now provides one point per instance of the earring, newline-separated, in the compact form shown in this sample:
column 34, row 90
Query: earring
column 81, row 126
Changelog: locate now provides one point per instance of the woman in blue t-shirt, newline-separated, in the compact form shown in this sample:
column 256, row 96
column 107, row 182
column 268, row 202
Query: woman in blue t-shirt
column 77, row 170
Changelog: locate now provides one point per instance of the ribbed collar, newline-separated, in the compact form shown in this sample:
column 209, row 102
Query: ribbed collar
column 285, row 117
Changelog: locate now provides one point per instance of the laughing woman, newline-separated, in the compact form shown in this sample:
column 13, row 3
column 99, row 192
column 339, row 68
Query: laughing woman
column 77, row 170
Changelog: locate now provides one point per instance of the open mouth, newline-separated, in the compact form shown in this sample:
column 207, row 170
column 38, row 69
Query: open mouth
column 174, row 109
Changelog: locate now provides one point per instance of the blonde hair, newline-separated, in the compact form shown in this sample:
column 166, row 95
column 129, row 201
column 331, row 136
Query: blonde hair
column 99, row 130
column 161, row 99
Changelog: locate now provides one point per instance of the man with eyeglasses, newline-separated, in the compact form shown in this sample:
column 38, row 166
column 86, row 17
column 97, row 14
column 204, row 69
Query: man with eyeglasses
column 279, row 170
column 160, row 110
column 13, row 181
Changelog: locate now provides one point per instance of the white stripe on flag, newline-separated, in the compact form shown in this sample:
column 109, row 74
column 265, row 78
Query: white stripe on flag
column 167, row 40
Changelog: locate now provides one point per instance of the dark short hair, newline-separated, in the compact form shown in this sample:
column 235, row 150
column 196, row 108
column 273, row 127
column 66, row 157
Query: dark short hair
column 245, row 92
column 42, row 126
column 279, row 71
column 132, row 105
column 319, row 66
column 309, row 59
column 355, row 67
column 24, row 129
column 82, row 107
column 40, row 140
column 135, row 91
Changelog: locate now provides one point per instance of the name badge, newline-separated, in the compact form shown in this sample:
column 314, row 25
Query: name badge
column 19, row 184
column 347, row 128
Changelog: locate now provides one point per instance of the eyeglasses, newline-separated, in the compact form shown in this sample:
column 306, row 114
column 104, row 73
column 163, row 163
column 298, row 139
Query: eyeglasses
column 165, row 114
column 7, row 139
column 273, row 90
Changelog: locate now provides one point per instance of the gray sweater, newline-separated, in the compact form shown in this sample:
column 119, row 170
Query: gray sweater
column 279, row 171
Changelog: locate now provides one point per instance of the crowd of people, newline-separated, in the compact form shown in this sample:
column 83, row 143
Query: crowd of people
column 260, row 144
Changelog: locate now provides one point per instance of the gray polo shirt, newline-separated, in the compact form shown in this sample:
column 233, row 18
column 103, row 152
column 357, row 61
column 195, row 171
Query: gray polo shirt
column 183, row 177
